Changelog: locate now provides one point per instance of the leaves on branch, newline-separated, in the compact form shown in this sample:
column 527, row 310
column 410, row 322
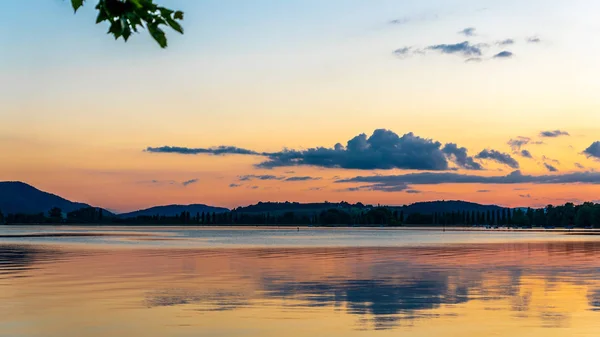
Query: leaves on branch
column 126, row 16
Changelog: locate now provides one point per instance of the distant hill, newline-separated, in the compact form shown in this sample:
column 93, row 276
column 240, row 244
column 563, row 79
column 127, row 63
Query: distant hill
column 18, row 197
column 172, row 210
column 278, row 208
column 275, row 208
column 429, row 207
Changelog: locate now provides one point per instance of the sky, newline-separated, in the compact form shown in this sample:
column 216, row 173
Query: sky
column 382, row 102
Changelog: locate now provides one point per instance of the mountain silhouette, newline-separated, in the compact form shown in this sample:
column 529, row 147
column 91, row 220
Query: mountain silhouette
column 18, row 197
column 172, row 210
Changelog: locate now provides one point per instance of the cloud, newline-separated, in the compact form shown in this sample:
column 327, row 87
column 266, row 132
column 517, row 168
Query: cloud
column 403, row 52
column 483, row 191
column 500, row 157
column 189, row 182
column 380, row 188
column 533, row 39
column 504, row 55
column 469, row 31
column 554, row 133
column 506, row 42
column 462, row 48
column 259, row 177
column 413, row 191
column 400, row 21
column 234, row 185
column 526, row 154
column 218, row 150
column 526, row 196
column 550, row 168
column 579, row 166
column 384, row 149
column 473, row 60
column 517, row 143
column 593, row 151
column 555, row 161
column 437, row 178
column 302, row 178
column 459, row 156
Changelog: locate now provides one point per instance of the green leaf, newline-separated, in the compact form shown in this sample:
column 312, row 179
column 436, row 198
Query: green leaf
column 158, row 35
column 76, row 4
column 101, row 16
column 175, row 25
column 178, row 15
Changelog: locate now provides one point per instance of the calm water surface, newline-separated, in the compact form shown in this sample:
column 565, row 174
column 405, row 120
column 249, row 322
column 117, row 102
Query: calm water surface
column 234, row 282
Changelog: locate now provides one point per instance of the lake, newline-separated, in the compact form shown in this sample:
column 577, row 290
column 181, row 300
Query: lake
column 157, row 281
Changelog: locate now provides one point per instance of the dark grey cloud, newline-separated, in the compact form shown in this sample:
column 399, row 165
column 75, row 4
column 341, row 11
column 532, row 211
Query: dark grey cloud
column 234, row 185
column 306, row 178
column 259, row 177
column 500, row 157
column 526, row 196
column 189, row 182
column 579, row 166
column 533, row 39
column 413, row 191
column 437, row 178
column 483, row 191
column 218, row 150
column 550, row 167
column 506, row 42
column 554, row 133
column 469, row 31
column 526, row 154
column 463, row 48
column 593, row 151
column 504, row 55
column 384, row 149
column 459, row 156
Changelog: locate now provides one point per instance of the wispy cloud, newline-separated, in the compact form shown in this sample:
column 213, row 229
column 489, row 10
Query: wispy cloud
column 305, row 178
column 234, row 185
column 403, row 181
column 189, row 182
column 469, row 31
column 219, row 150
column 259, row 177
column 553, row 133
column 463, row 48
column 517, row 143
column 533, row 39
column 506, row 42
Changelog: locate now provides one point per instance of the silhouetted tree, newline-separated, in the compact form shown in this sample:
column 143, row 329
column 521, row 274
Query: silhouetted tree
column 126, row 17
column 55, row 214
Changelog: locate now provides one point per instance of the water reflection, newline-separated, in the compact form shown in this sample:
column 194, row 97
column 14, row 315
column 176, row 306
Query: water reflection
column 514, row 286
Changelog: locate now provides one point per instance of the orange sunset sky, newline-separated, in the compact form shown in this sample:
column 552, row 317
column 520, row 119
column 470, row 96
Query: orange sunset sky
column 249, row 104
